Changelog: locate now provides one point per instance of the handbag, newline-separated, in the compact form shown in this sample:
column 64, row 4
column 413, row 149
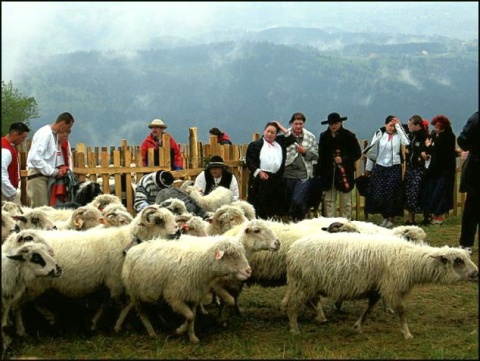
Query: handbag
column 361, row 182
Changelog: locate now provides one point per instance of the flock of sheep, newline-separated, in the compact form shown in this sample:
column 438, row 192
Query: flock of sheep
column 166, row 254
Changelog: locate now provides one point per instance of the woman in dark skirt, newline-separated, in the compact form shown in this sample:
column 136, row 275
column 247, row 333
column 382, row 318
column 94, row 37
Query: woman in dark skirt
column 265, row 160
column 440, row 175
column 384, row 166
column 415, row 167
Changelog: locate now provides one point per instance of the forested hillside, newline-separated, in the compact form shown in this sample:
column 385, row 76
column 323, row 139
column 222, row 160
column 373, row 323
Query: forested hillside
column 240, row 85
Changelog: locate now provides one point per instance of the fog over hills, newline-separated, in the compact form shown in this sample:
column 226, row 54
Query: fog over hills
column 117, row 65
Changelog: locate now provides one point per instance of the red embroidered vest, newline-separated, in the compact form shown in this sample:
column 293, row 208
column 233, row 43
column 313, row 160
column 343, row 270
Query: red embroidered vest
column 13, row 170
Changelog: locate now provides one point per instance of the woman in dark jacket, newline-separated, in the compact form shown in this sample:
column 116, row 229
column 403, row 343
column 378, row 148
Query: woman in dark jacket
column 265, row 160
column 415, row 167
column 440, row 174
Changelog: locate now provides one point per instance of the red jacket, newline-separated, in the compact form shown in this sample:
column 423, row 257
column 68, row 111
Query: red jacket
column 176, row 155
column 13, row 170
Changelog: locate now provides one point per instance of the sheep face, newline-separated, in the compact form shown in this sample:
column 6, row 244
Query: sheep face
column 258, row 235
column 26, row 236
column 455, row 265
column 35, row 219
column 337, row 227
column 85, row 218
column 11, row 208
column 157, row 222
column 117, row 218
column 103, row 200
column 8, row 226
column 38, row 260
column 231, row 256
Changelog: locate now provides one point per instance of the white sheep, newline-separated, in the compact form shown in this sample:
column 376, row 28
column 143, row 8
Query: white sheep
column 9, row 226
column 179, row 273
column 175, row 205
column 95, row 257
column 103, row 200
column 82, row 218
column 256, row 235
column 346, row 266
column 16, row 240
column 35, row 219
column 192, row 225
column 212, row 201
column 20, row 268
column 116, row 215
column 11, row 208
column 247, row 208
column 224, row 219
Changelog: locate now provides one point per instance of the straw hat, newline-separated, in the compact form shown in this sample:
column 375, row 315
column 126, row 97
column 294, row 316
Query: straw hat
column 157, row 123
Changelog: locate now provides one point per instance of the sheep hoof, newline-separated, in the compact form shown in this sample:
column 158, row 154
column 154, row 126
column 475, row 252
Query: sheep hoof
column 408, row 336
column 321, row 320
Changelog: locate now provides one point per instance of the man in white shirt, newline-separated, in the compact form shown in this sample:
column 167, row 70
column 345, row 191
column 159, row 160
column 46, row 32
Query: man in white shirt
column 216, row 174
column 42, row 159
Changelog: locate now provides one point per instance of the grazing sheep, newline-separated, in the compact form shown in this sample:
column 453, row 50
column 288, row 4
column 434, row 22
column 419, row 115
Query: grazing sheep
column 35, row 219
column 82, row 218
column 224, row 219
column 9, row 226
column 214, row 200
column 95, row 257
column 179, row 273
column 352, row 266
column 20, row 268
column 247, row 209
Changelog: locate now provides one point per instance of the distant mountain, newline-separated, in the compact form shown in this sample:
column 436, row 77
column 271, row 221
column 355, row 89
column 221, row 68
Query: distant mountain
column 238, row 86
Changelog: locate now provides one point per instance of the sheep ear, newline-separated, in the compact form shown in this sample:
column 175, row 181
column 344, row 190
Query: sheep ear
column 324, row 229
column 102, row 220
column 442, row 259
column 20, row 218
column 16, row 257
column 185, row 227
column 219, row 254
column 78, row 223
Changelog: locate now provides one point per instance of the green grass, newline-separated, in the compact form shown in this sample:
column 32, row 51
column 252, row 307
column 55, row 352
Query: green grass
column 442, row 319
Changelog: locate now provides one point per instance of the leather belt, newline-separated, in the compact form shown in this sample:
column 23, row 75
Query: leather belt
column 33, row 176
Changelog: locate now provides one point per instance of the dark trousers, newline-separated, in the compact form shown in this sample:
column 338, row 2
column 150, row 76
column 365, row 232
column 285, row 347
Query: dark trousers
column 470, row 219
column 297, row 196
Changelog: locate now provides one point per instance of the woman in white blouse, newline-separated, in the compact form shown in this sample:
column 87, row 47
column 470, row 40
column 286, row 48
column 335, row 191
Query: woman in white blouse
column 384, row 167
column 265, row 160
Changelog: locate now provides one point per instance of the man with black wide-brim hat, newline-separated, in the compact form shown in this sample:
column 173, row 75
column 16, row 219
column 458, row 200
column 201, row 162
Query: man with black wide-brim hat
column 338, row 150
column 216, row 175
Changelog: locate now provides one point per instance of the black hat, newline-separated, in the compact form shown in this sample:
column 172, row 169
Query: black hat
column 164, row 179
column 216, row 162
column 333, row 118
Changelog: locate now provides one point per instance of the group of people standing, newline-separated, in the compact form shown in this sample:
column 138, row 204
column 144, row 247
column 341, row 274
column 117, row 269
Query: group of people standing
column 290, row 171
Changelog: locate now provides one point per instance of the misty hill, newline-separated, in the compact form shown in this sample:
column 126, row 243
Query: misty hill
column 238, row 86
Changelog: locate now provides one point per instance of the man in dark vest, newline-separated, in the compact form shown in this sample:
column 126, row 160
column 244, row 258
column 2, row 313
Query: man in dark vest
column 10, row 164
column 216, row 174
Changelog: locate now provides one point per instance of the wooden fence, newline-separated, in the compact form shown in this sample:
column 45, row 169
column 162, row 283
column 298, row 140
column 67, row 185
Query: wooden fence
column 123, row 165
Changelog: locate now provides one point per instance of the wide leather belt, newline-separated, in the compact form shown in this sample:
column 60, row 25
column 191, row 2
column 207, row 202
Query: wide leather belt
column 36, row 175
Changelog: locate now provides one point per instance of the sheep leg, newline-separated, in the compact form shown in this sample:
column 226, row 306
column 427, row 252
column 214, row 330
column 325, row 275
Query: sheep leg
column 320, row 315
column 403, row 322
column 122, row 316
column 98, row 315
column 46, row 313
column 145, row 320
column 289, row 303
column 202, row 309
column 189, row 314
column 19, row 327
column 191, row 328
column 372, row 301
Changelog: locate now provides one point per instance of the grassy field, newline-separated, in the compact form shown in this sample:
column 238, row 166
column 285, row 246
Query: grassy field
column 442, row 319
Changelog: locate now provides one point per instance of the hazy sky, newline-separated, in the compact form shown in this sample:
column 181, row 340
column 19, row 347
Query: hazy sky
column 30, row 29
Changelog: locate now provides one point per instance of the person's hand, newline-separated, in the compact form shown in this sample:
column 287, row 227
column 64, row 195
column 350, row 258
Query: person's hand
column 301, row 149
column 263, row 175
column 428, row 141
